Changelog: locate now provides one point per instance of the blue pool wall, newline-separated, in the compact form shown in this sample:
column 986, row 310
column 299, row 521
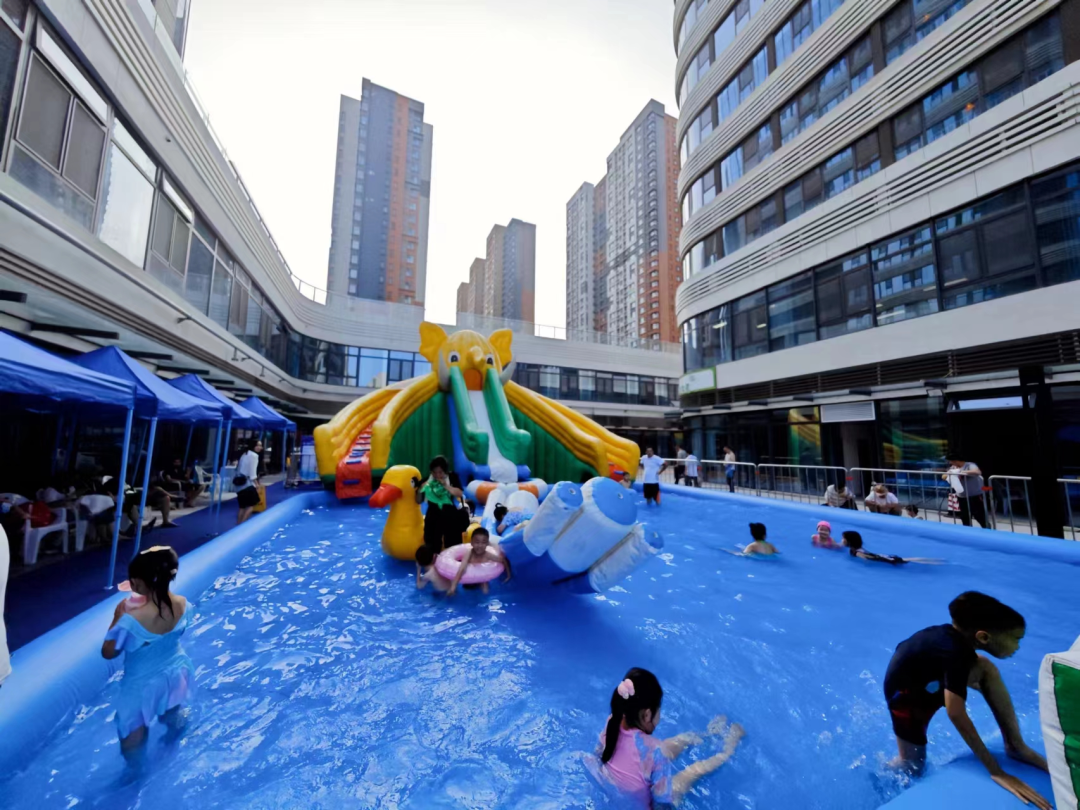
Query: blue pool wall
column 1049, row 548
column 58, row 672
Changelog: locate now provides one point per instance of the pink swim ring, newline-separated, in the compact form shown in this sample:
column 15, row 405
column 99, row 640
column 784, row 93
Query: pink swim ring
column 449, row 561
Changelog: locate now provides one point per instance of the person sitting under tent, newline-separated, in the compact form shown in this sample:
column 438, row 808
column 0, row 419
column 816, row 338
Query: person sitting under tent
column 156, row 498
column 177, row 478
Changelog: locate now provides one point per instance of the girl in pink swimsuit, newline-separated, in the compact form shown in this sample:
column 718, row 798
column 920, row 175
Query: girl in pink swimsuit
column 824, row 538
column 637, row 763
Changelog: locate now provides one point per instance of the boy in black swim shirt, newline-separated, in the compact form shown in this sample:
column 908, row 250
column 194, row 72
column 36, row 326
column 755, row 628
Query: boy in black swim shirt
column 935, row 667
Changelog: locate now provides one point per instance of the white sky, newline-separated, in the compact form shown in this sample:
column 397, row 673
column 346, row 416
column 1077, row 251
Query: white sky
column 527, row 99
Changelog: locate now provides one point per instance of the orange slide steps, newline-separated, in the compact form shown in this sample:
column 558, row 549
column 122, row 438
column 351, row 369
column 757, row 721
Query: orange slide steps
column 354, row 469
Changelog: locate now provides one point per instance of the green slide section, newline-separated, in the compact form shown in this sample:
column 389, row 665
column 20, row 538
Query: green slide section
column 547, row 457
column 1067, row 697
column 513, row 442
column 422, row 436
column 473, row 441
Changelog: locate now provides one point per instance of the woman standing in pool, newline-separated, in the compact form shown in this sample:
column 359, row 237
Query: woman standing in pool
column 637, row 763
column 158, row 675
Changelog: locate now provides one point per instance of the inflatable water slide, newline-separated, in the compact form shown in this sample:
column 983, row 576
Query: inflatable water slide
column 500, row 439
column 468, row 410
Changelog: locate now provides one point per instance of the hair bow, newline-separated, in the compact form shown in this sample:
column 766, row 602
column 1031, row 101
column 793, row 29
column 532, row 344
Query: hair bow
column 626, row 689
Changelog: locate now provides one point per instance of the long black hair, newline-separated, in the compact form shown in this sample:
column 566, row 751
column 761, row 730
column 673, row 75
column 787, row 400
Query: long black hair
column 156, row 567
column 647, row 695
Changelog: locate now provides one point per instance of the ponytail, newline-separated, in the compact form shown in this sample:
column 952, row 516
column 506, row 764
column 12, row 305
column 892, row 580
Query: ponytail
column 156, row 568
column 638, row 691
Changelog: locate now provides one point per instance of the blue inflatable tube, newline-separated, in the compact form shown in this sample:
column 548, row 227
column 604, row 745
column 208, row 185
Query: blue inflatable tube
column 55, row 674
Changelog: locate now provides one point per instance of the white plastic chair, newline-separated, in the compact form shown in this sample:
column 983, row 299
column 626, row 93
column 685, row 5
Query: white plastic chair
column 206, row 479
column 32, row 537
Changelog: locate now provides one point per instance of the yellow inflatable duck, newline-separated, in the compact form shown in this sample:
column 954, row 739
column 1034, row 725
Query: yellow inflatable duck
column 403, row 533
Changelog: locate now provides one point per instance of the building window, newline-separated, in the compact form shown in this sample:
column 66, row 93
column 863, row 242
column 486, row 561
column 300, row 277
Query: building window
column 169, row 245
column 791, row 313
column 843, row 296
column 905, row 277
column 986, row 251
column 800, row 25
column 750, row 336
column 127, row 197
column 60, row 145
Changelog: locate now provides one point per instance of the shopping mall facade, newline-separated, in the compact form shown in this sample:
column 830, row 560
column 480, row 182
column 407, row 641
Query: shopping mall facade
column 123, row 222
column 881, row 237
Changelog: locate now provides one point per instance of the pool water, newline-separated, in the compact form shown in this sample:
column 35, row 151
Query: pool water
column 327, row 681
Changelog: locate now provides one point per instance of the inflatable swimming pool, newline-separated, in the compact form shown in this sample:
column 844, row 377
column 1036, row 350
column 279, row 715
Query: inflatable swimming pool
column 326, row 679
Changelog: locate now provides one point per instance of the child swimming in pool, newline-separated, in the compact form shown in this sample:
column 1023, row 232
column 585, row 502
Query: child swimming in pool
column 426, row 572
column 158, row 675
column 853, row 542
column 760, row 547
column 824, row 538
column 637, row 763
column 935, row 667
column 480, row 550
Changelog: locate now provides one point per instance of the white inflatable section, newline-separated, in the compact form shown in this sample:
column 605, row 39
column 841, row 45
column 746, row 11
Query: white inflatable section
column 503, row 469
column 548, row 522
column 1050, row 698
column 614, row 567
column 523, row 500
column 587, row 537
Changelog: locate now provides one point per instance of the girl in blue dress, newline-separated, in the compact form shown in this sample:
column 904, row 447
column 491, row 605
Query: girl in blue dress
column 158, row 675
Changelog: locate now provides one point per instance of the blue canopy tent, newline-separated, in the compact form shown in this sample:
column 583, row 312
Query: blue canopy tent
column 40, row 380
column 155, row 400
column 236, row 415
column 272, row 420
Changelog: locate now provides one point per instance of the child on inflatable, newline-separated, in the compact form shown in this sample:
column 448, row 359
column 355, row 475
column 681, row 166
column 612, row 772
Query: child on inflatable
column 426, row 573
column 824, row 538
column 637, row 763
column 158, row 675
column 934, row 669
column 480, row 551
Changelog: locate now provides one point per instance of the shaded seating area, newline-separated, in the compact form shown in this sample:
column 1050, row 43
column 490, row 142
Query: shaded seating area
column 35, row 381
column 156, row 401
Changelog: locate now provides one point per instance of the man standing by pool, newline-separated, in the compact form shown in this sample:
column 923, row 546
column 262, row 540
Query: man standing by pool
column 653, row 465
column 966, row 480
column 680, row 463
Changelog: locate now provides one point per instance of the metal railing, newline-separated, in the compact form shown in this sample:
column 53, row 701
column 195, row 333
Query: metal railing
column 1071, row 489
column 798, row 482
column 1005, row 501
column 924, row 489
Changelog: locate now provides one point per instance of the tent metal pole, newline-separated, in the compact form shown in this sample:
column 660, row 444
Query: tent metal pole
column 225, row 454
column 187, row 449
column 122, row 485
column 216, row 479
column 145, row 485
column 284, row 449
column 56, row 444
column 139, row 457
column 73, row 428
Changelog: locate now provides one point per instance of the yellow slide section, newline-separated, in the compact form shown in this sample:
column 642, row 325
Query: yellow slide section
column 417, row 391
column 334, row 439
column 588, row 441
